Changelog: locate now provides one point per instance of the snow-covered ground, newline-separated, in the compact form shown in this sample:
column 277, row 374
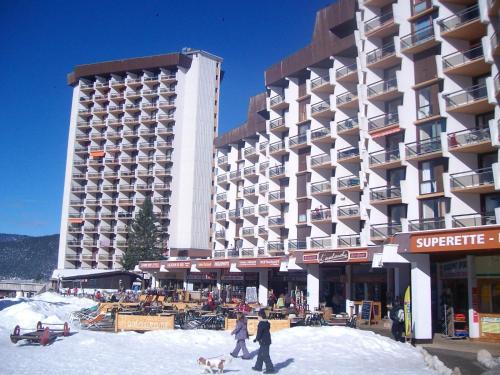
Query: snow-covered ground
column 303, row 350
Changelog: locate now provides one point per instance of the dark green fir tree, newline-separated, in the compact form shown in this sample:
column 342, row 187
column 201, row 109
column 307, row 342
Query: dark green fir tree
column 144, row 237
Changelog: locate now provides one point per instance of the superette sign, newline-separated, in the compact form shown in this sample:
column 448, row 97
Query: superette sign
column 457, row 240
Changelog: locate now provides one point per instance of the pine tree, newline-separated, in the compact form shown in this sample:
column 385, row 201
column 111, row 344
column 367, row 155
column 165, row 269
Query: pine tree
column 144, row 237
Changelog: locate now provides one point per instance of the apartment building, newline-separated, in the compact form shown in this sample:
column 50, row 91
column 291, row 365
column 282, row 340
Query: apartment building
column 379, row 134
column 141, row 127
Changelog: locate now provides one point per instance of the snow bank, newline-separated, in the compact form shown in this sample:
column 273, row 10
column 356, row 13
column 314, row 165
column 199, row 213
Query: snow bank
column 485, row 358
column 304, row 350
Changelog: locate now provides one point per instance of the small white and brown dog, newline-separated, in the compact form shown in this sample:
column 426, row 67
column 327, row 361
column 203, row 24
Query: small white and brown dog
column 213, row 365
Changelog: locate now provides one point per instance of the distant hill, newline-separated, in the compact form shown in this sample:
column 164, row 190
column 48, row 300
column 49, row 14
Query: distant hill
column 27, row 257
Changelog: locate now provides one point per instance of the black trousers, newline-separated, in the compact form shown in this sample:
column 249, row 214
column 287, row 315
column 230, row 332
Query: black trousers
column 263, row 357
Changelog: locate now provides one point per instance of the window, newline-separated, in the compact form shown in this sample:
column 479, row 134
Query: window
column 431, row 130
column 432, row 208
column 424, row 107
column 483, row 119
column 427, row 182
column 395, row 213
column 395, row 176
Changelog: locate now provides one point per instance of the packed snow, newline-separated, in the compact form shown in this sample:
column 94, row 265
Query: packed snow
column 301, row 350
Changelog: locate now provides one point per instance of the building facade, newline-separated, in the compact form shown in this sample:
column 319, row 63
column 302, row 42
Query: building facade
column 139, row 128
column 386, row 123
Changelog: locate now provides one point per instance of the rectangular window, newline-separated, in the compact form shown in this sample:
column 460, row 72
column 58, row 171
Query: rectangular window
column 424, row 107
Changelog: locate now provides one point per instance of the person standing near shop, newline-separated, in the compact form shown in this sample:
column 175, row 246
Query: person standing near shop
column 264, row 339
column 240, row 334
column 398, row 320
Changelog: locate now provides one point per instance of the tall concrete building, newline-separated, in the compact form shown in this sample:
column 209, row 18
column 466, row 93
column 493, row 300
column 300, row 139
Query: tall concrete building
column 141, row 127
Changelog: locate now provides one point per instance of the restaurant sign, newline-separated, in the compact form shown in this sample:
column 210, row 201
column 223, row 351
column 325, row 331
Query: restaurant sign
column 336, row 256
column 457, row 240
column 149, row 265
column 177, row 264
column 259, row 262
column 213, row 264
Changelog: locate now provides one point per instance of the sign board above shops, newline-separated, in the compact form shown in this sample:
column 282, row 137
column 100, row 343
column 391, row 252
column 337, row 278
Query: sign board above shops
column 335, row 256
column 213, row 264
column 456, row 240
column 259, row 263
column 149, row 265
column 175, row 264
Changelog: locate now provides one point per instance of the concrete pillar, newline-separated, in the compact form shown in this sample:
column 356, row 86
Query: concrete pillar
column 473, row 297
column 348, row 291
column 421, row 297
column 263, row 286
column 313, row 286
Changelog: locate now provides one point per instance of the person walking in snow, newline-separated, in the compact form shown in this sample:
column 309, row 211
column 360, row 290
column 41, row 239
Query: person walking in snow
column 398, row 321
column 240, row 334
column 264, row 339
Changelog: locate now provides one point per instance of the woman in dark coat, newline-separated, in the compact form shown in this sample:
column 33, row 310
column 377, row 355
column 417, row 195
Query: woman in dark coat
column 240, row 334
column 264, row 339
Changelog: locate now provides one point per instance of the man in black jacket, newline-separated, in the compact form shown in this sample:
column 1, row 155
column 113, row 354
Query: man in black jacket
column 264, row 339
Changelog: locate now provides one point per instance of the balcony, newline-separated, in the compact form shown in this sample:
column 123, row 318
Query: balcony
column 383, row 122
column 349, row 212
column 220, row 234
column 262, row 231
column 320, row 243
column 385, row 195
column 495, row 44
column 470, row 140
column 248, row 252
column 348, row 155
column 249, row 191
column 276, row 196
column 321, row 110
column 383, row 57
column 468, row 63
column 385, row 159
column 219, row 254
column 321, row 135
column 381, row 26
column 427, row 224
column 250, row 171
column 476, row 181
column 348, row 126
column 321, row 188
column 161, row 187
column 473, row 100
column 263, row 167
column 263, row 188
column 221, row 198
column 250, row 152
column 277, row 148
column 235, row 175
column 383, row 90
column 248, row 211
column 248, row 232
column 348, row 73
column 222, row 179
column 298, row 141
column 278, row 124
column 276, row 222
column 352, row 240
column 263, row 210
column 347, row 100
column 322, row 84
column 380, row 232
column 349, row 183
column 277, row 172
column 474, row 220
column 221, row 216
column 424, row 150
column 263, row 147
column 277, row 102
column 321, row 215
column 166, row 118
column 322, row 161
column 418, row 40
column 234, row 214
column 464, row 24
column 167, row 91
column 297, row 245
column 275, row 248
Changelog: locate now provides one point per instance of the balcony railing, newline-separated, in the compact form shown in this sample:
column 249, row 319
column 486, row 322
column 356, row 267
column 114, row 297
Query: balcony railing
column 250, row 190
column 382, row 87
column 427, row 146
column 384, row 157
column 277, row 171
column 275, row 247
column 263, row 147
column 248, row 211
column 220, row 216
column 347, row 153
column 248, row 171
column 427, row 224
column 376, row 22
column 219, row 254
column 263, row 187
column 247, row 232
column 474, row 220
column 384, row 193
column 249, row 151
column 321, row 214
column 459, row 19
column 247, row 251
column 468, row 137
column 297, row 140
column 417, row 38
column 462, row 57
column 380, row 53
column 320, row 133
column 235, row 175
column 277, row 146
column 321, row 243
column 320, row 160
column 346, row 70
column 319, row 81
column 276, row 195
column 275, row 100
column 222, row 178
column 467, row 96
column 221, row 197
column 263, row 209
column 349, row 240
column 321, row 187
column 348, row 182
column 348, row 211
column 471, row 179
column 275, row 221
column 297, row 245
column 346, row 97
column 383, row 231
column 347, row 124
column 220, row 234
column 320, row 107
column 383, row 121
column 262, row 231
column 276, row 123
column 234, row 214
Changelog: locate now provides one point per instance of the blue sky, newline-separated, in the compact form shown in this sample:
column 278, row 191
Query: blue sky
column 41, row 41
